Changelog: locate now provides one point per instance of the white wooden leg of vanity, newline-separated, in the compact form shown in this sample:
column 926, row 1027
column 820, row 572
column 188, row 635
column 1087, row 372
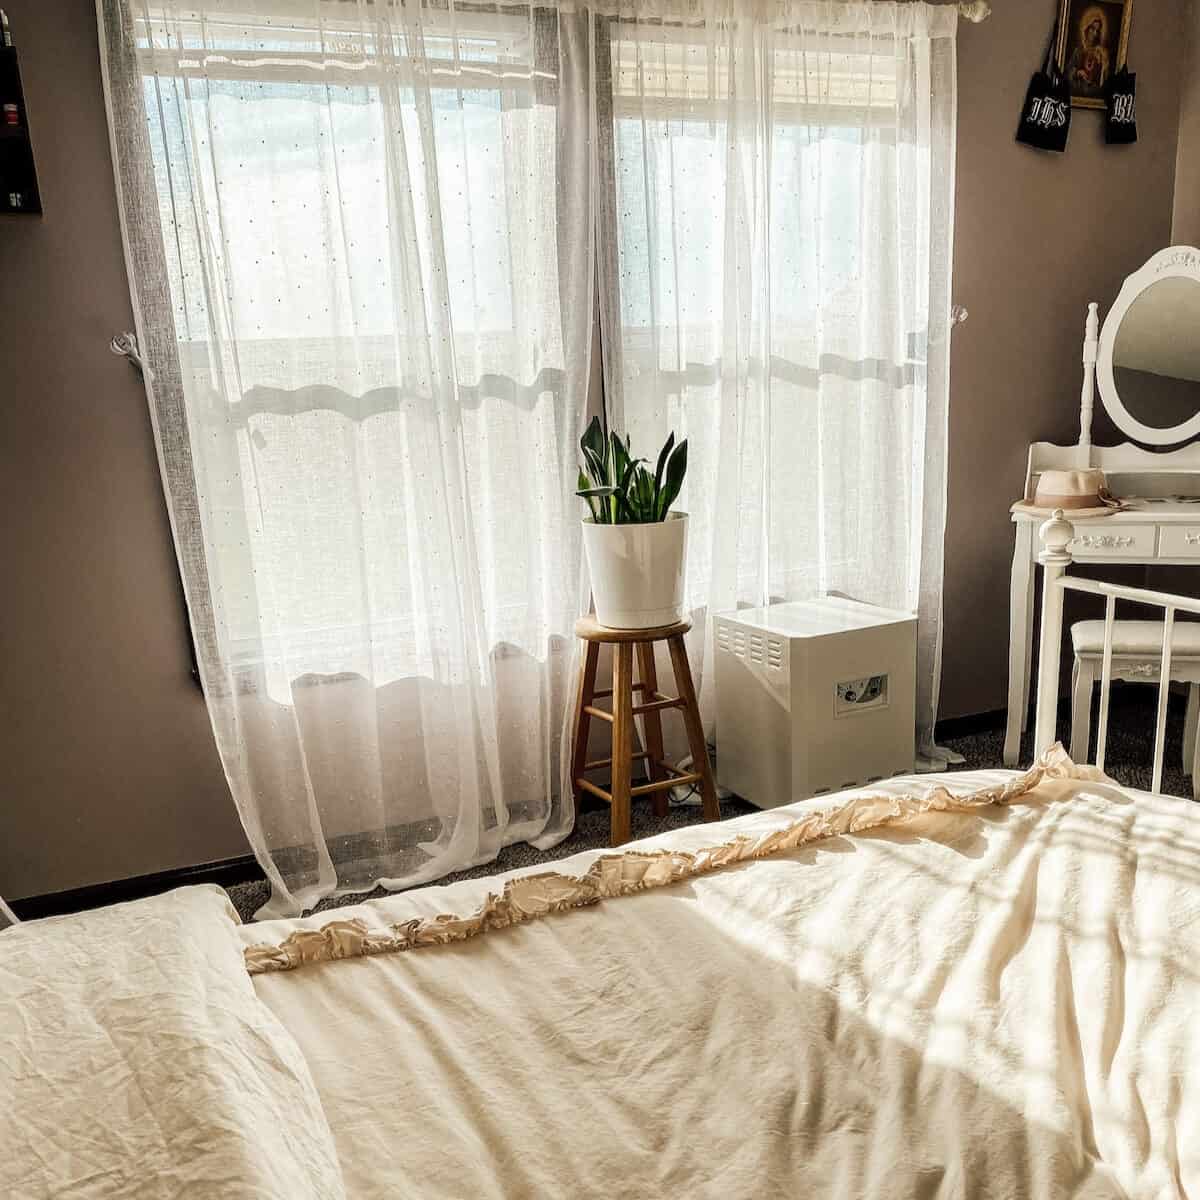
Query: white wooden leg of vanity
column 1030, row 600
column 1020, row 640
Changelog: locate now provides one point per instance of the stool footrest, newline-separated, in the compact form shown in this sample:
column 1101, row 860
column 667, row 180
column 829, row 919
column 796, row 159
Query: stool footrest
column 588, row 786
column 637, row 687
column 657, row 705
column 596, row 763
column 681, row 779
column 675, row 777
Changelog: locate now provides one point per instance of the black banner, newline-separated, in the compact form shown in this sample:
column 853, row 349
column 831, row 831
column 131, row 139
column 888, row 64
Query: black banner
column 1046, row 116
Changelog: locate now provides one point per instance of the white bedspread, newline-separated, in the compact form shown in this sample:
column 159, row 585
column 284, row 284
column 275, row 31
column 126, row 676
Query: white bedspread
column 136, row 1062
column 1003, row 1003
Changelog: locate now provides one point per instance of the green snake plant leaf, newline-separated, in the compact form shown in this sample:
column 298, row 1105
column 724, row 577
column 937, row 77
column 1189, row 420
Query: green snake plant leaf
column 596, row 466
column 622, row 488
column 620, row 457
column 676, row 470
column 663, row 454
column 626, row 511
column 594, row 440
column 586, row 491
column 647, row 494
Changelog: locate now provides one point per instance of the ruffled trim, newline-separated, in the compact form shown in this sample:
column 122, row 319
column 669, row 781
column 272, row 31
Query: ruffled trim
column 530, row 897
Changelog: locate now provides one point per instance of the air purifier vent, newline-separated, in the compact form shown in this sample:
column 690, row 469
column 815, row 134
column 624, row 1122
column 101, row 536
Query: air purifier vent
column 774, row 653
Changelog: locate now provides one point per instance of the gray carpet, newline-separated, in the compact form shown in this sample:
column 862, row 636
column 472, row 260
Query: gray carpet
column 1130, row 745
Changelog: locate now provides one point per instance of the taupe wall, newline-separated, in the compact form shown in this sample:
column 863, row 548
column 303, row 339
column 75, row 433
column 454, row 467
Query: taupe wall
column 1185, row 227
column 1037, row 236
column 108, row 764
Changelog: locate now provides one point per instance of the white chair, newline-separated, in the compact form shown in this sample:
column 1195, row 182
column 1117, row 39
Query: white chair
column 1136, row 657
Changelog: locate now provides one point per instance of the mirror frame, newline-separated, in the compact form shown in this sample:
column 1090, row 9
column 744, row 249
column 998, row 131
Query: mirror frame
column 1174, row 262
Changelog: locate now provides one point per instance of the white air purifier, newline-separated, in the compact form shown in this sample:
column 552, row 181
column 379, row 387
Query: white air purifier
column 813, row 696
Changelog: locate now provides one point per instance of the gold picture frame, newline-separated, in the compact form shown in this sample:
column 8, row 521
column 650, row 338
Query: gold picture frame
column 1093, row 40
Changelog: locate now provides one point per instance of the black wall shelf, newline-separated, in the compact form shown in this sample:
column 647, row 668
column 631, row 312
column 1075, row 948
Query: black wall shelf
column 18, row 176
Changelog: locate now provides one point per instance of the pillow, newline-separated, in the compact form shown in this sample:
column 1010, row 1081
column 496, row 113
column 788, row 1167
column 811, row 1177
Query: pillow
column 136, row 1061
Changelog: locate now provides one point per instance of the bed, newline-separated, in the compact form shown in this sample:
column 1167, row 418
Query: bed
column 977, row 984
column 988, row 988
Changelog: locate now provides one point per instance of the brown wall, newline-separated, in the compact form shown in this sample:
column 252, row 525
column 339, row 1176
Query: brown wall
column 1037, row 236
column 1185, row 223
column 108, row 763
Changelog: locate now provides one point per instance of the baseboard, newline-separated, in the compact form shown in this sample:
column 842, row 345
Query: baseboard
column 224, row 873
column 971, row 725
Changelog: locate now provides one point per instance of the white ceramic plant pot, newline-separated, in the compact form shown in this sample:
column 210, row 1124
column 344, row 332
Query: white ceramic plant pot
column 637, row 571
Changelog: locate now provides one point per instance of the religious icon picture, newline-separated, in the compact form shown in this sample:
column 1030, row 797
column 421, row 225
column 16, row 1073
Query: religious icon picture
column 1093, row 37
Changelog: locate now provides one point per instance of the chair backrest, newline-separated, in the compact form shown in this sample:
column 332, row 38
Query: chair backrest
column 1056, row 535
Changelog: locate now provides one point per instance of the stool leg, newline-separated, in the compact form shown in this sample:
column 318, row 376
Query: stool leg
column 1189, row 726
column 583, row 722
column 652, row 723
column 622, row 741
column 1083, row 679
column 695, row 731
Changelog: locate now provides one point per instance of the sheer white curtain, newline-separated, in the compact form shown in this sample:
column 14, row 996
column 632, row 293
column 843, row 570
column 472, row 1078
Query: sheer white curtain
column 360, row 250
column 780, row 189
column 360, row 237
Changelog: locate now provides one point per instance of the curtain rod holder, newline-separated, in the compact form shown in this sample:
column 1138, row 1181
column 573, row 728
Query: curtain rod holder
column 125, row 344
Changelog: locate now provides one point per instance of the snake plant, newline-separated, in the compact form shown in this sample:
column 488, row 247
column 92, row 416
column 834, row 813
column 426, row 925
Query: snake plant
column 620, row 489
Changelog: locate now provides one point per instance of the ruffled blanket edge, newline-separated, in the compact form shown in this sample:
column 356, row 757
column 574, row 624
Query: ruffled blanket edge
column 625, row 872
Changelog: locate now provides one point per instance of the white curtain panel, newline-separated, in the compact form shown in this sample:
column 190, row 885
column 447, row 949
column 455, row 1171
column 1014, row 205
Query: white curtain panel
column 781, row 190
column 360, row 238
column 363, row 277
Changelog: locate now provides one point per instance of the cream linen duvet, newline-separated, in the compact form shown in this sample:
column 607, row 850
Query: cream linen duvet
column 1001, row 1002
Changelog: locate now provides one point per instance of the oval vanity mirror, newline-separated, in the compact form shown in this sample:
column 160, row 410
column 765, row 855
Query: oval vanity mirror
column 1148, row 366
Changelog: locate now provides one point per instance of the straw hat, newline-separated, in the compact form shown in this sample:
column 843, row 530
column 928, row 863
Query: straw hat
column 1077, row 493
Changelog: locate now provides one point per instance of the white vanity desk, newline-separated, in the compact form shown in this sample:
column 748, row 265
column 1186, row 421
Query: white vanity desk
column 1158, row 344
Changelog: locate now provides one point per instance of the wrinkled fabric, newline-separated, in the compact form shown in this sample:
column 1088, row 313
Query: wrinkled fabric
column 136, row 1062
column 994, row 1000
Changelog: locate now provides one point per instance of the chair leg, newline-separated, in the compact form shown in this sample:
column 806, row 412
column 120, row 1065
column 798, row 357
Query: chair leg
column 652, row 724
column 622, row 741
column 583, row 722
column 1189, row 726
column 1082, row 681
column 695, row 730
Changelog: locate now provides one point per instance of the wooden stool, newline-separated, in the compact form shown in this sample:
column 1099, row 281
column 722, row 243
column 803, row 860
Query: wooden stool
column 663, row 776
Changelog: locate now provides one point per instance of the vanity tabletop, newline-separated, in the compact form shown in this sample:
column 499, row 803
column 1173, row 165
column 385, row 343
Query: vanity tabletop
column 1138, row 510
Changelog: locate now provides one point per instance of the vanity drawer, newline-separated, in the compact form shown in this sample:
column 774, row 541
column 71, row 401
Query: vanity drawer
column 1123, row 541
column 1179, row 541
